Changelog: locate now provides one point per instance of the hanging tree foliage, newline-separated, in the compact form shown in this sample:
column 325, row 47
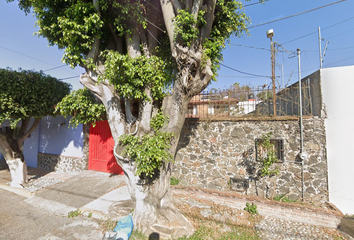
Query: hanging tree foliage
column 156, row 54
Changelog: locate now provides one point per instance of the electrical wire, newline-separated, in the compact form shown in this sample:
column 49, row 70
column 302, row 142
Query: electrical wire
column 246, row 73
column 338, row 23
column 251, row 4
column 238, row 76
column 35, row 59
column 69, row 77
column 317, row 31
column 340, row 34
column 26, row 55
column 297, row 14
column 267, row 49
column 339, row 61
column 54, row 68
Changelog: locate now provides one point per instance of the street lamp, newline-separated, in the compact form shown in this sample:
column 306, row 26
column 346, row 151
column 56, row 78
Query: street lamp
column 270, row 34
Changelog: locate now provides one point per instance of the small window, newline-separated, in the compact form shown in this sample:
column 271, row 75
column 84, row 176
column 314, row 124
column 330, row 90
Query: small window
column 278, row 146
column 195, row 110
column 211, row 109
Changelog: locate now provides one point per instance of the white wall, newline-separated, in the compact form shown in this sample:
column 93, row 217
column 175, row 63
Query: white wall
column 56, row 138
column 337, row 94
column 30, row 148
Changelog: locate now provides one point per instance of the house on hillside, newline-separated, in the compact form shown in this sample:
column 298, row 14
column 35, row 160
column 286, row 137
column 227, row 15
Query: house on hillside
column 209, row 104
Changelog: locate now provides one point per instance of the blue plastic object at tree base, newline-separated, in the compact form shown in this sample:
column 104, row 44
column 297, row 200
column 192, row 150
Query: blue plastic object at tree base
column 124, row 228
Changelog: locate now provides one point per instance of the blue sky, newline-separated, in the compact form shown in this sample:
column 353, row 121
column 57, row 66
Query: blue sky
column 249, row 54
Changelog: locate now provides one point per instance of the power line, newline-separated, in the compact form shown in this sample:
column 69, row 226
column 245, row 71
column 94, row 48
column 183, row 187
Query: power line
column 267, row 49
column 338, row 23
column 246, row 73
column 339, row 61
column 69, row 77
column 316, row 31
column 26, row 55
column 238, row 76
column 251, row 4
column 54, row 68
column 340, row 34
column 297, row 14
column 299, row 37
column 39, row 60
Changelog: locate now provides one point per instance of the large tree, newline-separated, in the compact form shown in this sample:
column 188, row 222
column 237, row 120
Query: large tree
column 157, row 54
column 25, row 97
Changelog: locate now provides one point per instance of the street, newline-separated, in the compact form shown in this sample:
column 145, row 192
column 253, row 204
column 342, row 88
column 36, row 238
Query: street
column 20, row 220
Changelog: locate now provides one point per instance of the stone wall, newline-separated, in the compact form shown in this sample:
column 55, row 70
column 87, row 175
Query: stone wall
column 60, row 163
column 211, row 153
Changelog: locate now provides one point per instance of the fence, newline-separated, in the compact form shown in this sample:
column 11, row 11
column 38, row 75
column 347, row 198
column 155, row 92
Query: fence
column 252, row 102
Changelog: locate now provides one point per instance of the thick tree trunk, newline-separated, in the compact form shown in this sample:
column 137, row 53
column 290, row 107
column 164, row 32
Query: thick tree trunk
column 153, row 209
column 18, row 170
column 11, row 147
column 16, row 163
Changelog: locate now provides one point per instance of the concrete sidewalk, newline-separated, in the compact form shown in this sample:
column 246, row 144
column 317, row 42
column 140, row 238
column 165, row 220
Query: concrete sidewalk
column 89, row 191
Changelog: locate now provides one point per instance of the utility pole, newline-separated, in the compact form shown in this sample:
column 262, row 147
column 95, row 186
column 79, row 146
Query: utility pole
column 303, row 156
column 319, row 44
column 270, row 34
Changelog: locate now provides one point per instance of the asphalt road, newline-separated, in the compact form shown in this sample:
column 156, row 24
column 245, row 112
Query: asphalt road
column 20, row 220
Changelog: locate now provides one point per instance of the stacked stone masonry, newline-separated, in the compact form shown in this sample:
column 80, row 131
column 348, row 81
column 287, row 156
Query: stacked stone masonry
column 60, row 163
column 211, row 153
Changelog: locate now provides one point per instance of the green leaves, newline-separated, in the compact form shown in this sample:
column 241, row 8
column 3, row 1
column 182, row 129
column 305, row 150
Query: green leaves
column 267, row 155
column 130, row 76
column 157, row 121
column 186, row 27
column 149, row 151
column 251, row 208
column 83, row 106
column 27, row 93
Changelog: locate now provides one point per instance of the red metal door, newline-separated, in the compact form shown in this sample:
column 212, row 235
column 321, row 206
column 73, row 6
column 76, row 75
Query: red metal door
column 101, row 156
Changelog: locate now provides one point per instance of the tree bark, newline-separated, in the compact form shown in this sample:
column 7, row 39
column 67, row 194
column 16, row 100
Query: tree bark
column 11, row 147
column 154, row 211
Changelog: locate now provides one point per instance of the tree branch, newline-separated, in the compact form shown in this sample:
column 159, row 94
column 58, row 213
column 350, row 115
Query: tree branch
column 176, row 6
column 144, row 44
column 188, row 4
column 110, row 99
column 93, row 54
column 195, row 9
column 5, row 147
column 168, row 16
column 128, row 111
column 152, row 37
column 117, row 40
column 133, row 44
column 209, row 15
column 24, row 125
column 145, row 112
column 24, row 136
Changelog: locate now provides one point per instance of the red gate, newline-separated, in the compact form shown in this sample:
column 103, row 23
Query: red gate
column 101, row 156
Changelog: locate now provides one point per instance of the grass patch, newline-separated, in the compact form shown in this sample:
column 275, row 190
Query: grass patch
column 283, row 198
column 136, row 235
column 73, row 214
column 107, row 225
column 222, row 232
column 174, row 181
